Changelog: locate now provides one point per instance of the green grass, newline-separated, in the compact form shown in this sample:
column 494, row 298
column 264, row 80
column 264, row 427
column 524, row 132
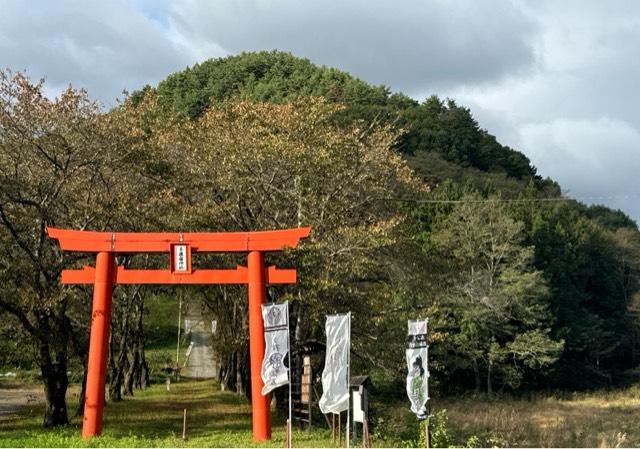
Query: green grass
column 153, row 418
column 161, row 322
column 161, row 333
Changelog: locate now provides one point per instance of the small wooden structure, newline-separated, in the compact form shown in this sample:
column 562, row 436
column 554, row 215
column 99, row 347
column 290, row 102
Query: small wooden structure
column 303, row 394
column 360, row 405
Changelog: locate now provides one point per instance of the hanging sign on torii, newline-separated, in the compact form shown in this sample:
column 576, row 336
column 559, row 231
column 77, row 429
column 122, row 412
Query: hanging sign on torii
column 179, row 247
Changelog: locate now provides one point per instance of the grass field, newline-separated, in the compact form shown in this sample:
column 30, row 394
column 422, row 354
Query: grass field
column 153, row 418
column 161, row 332
column 594, row 419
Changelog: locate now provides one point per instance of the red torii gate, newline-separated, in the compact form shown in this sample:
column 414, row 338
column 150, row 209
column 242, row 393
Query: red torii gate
column 180, row 246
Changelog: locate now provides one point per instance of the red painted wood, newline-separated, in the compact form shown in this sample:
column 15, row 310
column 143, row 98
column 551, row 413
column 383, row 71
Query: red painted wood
column 145, row 242
column 273, row 275
column 261, row 422
column 98, row 349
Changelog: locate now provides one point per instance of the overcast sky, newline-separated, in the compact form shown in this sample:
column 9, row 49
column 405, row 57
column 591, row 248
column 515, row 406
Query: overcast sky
column 557, row 80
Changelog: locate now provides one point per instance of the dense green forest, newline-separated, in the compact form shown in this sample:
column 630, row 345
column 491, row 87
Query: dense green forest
column 416, row 211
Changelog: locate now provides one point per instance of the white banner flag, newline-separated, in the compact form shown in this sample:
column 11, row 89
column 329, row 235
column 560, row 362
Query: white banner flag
column 335, row 384
column 418, row 377
column 276, row 337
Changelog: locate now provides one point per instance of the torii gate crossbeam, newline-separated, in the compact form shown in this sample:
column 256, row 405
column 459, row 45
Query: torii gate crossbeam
column 179, row 246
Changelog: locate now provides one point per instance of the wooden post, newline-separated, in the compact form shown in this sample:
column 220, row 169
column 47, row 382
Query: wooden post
column 98, row 345
column 184, row 424
column 365, row 434
column 333, row 428
column 427, row 443
column 287, row 441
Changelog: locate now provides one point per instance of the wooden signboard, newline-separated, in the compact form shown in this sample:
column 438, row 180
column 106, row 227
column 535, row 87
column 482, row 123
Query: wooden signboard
column 305, row 384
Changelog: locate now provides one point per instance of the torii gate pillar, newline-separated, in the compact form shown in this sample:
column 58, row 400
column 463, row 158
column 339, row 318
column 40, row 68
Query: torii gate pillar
column 261, row 424
column 98, row 345
column 180, row 246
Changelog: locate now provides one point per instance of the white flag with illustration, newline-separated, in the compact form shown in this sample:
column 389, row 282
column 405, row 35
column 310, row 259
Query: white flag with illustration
column 276, row 337
column 335, row 385
column 417, row 353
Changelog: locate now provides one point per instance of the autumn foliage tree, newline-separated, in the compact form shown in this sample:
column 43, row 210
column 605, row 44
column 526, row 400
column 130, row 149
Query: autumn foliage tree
column 51, row 172
column 62, row 163
column 246, row 165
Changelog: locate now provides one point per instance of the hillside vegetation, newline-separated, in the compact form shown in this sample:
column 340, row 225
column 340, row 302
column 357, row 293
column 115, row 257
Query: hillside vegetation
column 433, row 126
column 587, row 277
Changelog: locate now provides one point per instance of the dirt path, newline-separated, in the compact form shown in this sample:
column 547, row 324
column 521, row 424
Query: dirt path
column 201, row 362
column 13, row 398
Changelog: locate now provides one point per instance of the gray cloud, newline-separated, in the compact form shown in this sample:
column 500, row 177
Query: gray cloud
column 575, row 114
column 595, row 150
column 408, row 45
column 102, row 46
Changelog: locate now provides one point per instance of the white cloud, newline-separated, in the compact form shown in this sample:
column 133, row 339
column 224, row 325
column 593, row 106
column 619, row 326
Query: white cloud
column 103, row 46
column 594, row 158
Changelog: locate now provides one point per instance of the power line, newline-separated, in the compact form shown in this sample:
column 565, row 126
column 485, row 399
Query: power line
column 502, row 200
column 512, row 200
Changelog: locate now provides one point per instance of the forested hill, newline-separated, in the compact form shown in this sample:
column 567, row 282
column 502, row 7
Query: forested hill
column 562, row 308
column 438, row 127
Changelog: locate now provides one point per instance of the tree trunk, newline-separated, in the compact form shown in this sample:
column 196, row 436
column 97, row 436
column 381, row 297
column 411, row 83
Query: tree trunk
column 141, row 373
column 115, row 384
column 129, row 377
column 226, row 372
column 489, row 386
column 119, row 362
column 476, row 373
column 117, row 369
column 238, row 373
column 54, row 376
column 246, row 370
column 297, row 338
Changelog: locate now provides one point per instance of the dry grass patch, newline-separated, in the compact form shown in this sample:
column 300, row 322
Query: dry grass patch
column 605, row 419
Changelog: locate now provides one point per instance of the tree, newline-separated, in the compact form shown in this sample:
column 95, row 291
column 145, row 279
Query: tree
column 246, row 166
column 435, row 126
column 49, row 173
column 585, row 269
column 62, row 163
column 496, row 301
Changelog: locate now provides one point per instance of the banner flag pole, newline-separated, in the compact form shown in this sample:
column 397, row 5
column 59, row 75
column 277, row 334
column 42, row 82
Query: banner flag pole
column 290, row 377
column 349, row 385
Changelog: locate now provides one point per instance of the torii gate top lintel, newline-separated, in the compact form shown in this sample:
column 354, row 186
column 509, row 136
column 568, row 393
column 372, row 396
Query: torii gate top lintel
column 136, row 242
